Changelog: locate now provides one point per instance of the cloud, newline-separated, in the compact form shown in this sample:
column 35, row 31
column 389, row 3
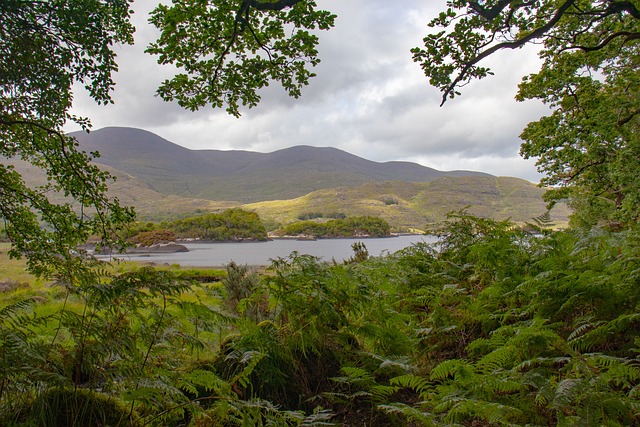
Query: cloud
column 368, row 98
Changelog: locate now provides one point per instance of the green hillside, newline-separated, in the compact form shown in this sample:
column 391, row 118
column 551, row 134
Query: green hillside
column 149, row 204
column 405, row 206
column 411, row 206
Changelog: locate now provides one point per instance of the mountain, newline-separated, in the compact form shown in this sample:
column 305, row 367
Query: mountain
column 164, row 181
column 242, row 176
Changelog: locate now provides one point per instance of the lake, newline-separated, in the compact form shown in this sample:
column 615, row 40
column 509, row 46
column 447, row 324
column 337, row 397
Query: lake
column 260, row 253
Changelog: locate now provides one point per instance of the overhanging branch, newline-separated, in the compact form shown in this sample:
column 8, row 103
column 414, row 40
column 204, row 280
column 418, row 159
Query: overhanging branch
column 537, row 33
column 276, row 5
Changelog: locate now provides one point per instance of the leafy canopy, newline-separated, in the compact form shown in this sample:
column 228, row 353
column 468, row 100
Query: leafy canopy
column 588, row 145
column 228, row 50
column 47, row 47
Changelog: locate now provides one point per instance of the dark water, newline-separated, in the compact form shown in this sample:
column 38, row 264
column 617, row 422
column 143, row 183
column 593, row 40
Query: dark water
column 260, row 253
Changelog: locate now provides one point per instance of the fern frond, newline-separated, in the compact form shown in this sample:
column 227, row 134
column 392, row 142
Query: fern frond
column 567, row 391
column 10, row 311
column 207, row 380
column 492, row 412
column 454, row 368
column 415, row 382
column 319, row 417
column 381, row 393
column 251, row 359
column 409, row 412
column 501, row 357
column 401, row 362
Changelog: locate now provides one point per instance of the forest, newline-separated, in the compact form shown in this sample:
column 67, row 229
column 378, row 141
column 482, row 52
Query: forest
column 494, row 324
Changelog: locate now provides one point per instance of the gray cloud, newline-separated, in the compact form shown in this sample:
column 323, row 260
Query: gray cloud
column 369, row 98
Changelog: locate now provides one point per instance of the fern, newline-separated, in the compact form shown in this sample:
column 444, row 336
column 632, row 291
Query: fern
column 452, row 369
column 195, row 380
column 411, row 413
column 491, row 412
column 418, row 384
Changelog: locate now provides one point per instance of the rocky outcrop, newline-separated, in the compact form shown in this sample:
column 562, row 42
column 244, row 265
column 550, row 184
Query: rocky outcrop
column 160, row 248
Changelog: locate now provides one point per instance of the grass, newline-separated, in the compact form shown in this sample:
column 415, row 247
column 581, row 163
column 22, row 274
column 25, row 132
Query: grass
column 17, row 284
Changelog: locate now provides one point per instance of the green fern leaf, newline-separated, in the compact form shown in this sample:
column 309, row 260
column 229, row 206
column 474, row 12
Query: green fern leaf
column 416, row 383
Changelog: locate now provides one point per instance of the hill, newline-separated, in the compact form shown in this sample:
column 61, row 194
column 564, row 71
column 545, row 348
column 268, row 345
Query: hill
column 242, row 176
column 412, row 206
column 149, row 204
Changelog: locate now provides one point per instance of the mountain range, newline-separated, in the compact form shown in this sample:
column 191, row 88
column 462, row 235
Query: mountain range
column 164, row 180
column 242, row 176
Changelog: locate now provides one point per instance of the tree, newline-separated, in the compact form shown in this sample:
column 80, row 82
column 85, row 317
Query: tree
column 588, row 146
column 46, row 49
column 231, row 49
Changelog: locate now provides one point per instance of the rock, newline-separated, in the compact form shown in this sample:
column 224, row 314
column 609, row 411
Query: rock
column 164, row 248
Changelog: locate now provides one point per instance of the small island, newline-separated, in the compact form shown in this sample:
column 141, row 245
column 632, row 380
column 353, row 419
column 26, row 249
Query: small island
column 357, row 226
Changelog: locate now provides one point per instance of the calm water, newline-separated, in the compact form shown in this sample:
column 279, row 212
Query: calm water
column 260, row 253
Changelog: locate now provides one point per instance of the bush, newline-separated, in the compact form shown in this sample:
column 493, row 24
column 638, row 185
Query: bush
column 149, row 238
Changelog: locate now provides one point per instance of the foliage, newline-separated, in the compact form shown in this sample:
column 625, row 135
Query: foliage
column 348, row 227
column 47, row 47
column 148, row 238
column 230, row 50
column 240, row 285
column 229, row 225
column 588, row 146
column 314, row 215
column 492, row 325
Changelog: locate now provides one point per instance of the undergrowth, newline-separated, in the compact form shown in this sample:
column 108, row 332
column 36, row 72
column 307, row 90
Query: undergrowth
column 493, row 325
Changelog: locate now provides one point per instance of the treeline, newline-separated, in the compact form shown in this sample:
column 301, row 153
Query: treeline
column 357, row 226
column 315, row 215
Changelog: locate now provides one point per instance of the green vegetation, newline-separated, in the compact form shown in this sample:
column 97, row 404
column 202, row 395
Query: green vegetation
column 226, row 226
column 360, row 226
column 492, row 326
column 229, row 225
column 315, row 215
column 48, row 47
column 409, row 207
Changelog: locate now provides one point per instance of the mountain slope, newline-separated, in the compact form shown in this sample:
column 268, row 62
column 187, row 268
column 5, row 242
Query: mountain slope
column 412, row 206
column 241, row 175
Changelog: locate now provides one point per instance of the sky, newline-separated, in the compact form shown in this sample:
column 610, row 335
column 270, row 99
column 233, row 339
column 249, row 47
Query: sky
column 369, row 98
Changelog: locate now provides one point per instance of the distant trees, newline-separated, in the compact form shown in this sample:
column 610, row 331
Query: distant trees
column 314, row 215
column 229, row 225
column 347, row 227
column 237, row 224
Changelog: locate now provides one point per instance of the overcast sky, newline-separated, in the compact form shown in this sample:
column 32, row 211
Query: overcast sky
column 368, row 99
